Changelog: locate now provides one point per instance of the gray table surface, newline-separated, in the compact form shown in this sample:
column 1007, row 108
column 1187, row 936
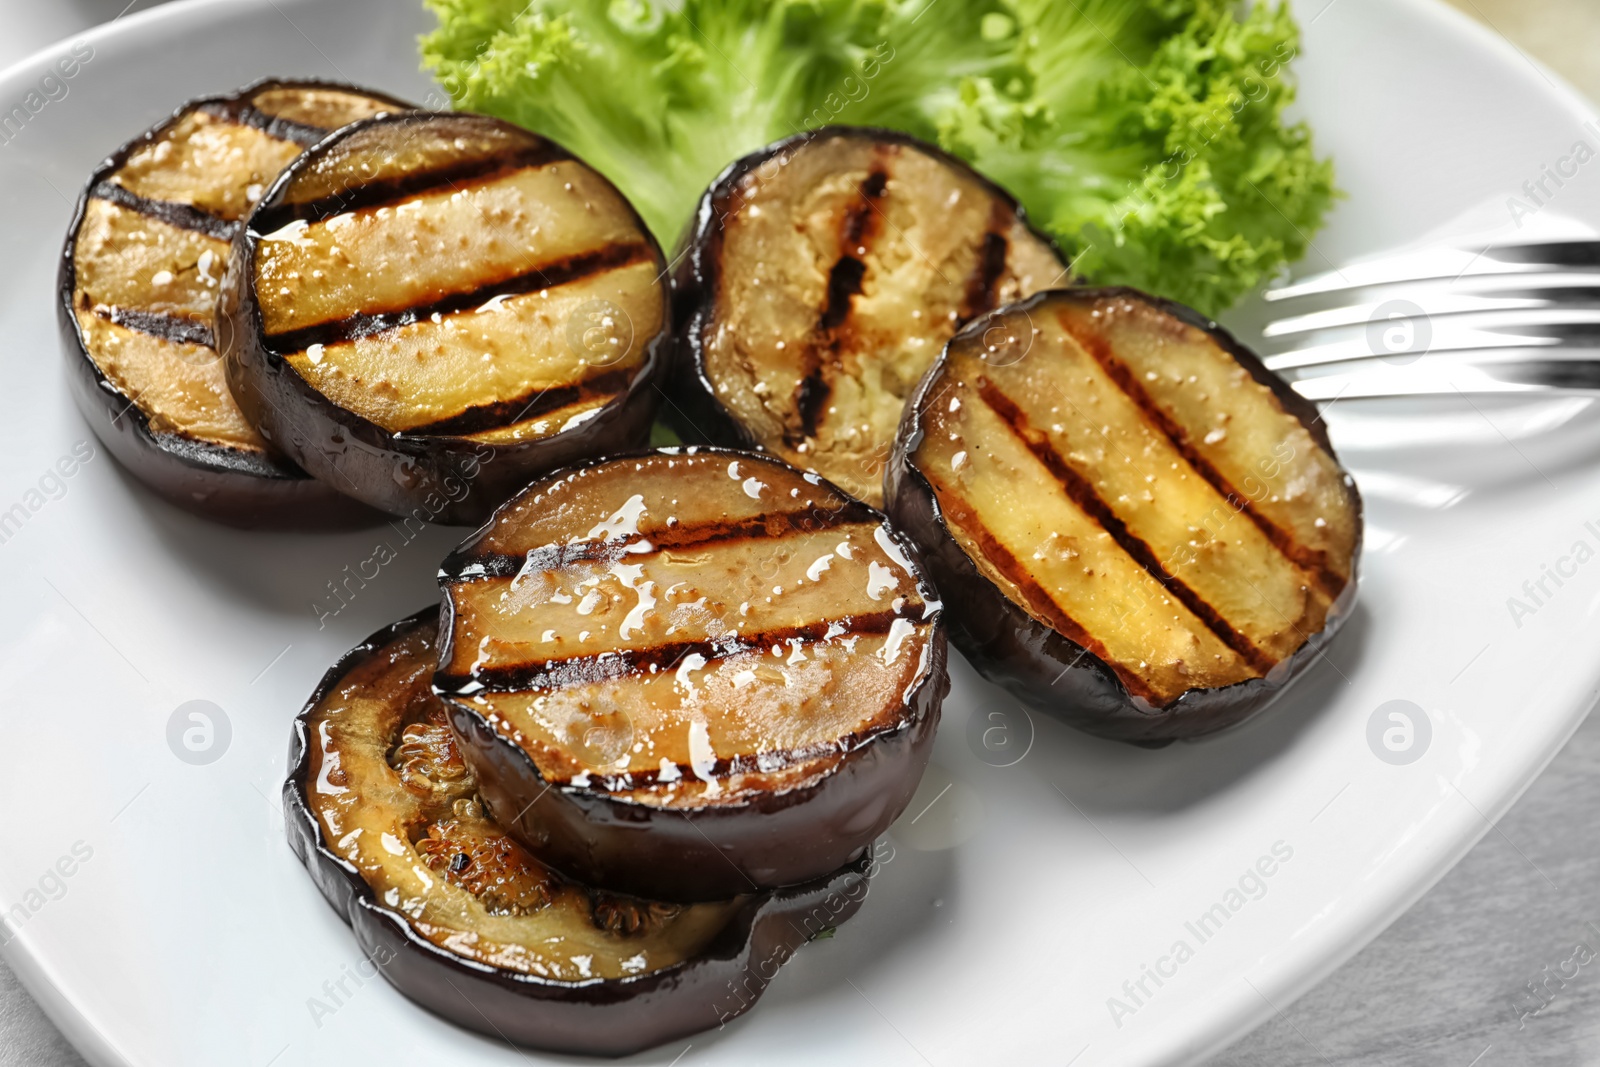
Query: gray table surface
column 1498, row 965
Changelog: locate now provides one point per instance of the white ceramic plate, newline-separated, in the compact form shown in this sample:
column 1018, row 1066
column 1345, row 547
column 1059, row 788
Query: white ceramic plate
column 1020, row 899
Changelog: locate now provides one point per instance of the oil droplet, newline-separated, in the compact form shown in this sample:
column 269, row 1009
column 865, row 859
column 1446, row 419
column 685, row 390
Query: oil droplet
column 702, row 757
column 880, row 580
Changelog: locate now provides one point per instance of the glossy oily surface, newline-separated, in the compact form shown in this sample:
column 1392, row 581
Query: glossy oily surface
column 387, row 818
column 391, row 793
column 826, row 273
column 692, row 631
column 1137, row 484
column 141, row 274
column 1125, row 844
column 154, row 239
column 452, row 291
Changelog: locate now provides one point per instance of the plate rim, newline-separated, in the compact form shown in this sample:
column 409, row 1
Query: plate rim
column 1285, row 978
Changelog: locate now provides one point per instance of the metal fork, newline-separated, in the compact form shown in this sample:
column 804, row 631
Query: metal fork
column 1502, row 319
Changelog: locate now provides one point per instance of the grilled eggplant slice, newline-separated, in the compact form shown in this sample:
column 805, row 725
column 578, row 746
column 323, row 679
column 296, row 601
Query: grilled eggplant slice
column 461, row 919
column 1146, row 531
column 824, row 275
column 138, row 289
column 430, row 309
column 689, row 674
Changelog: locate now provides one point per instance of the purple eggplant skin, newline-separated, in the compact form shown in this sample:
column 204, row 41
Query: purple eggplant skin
column 606, row 1017
column 1034, row 662
column 435, row 478
column 775, row 840
column 225, row 485
column 693, row 409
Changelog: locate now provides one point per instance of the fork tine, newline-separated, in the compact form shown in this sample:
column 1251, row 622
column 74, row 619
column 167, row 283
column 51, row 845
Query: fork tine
column 1521, row 328
column 1506, row 319
column 1445, row 264
column 1570, row 254
column 1497, row 293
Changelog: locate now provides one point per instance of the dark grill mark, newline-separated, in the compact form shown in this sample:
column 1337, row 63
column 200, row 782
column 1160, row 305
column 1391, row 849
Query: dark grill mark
column 387, row 191
column 844, row 282
column 1086, row 497
column 1313, row 562
column 463, row 567
column 528, row 406
column 1038, row 601
column 872, row 190
column 173, row 328
column 856, row 230
column 810, row 400
column 551, row 275
column 183, row 216
column 991, row 265
column 243, row 113
column 621, row 663
column 767, row 762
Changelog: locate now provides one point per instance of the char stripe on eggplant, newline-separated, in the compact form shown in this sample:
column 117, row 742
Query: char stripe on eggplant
column 622, row 662
column 243, row 113
column 1147, row 533
column 183, row 216
column 991, row 265
column 176, row 328
column 860, row 225
column 552, row 275
column 1313, row 561
column 617, row 656
column 707, row 641
column 464, row 298
column 139, row 282
column 772, row 525
column 823, row 276
column 1040, row 602
column 531, row 405
column 1086, row 497
column 240, row 112
column 387, row 192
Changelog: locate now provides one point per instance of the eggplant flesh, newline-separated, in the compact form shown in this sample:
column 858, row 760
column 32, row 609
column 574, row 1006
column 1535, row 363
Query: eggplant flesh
column 427, row 297
column 826, row 274
column 1148, row 533
column 706, row 643
column 140, row 275
column 461, row 918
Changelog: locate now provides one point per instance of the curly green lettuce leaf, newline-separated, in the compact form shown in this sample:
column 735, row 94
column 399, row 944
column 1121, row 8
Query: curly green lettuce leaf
column 1152, row 143
column 661, row 98
column 1147, row 137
